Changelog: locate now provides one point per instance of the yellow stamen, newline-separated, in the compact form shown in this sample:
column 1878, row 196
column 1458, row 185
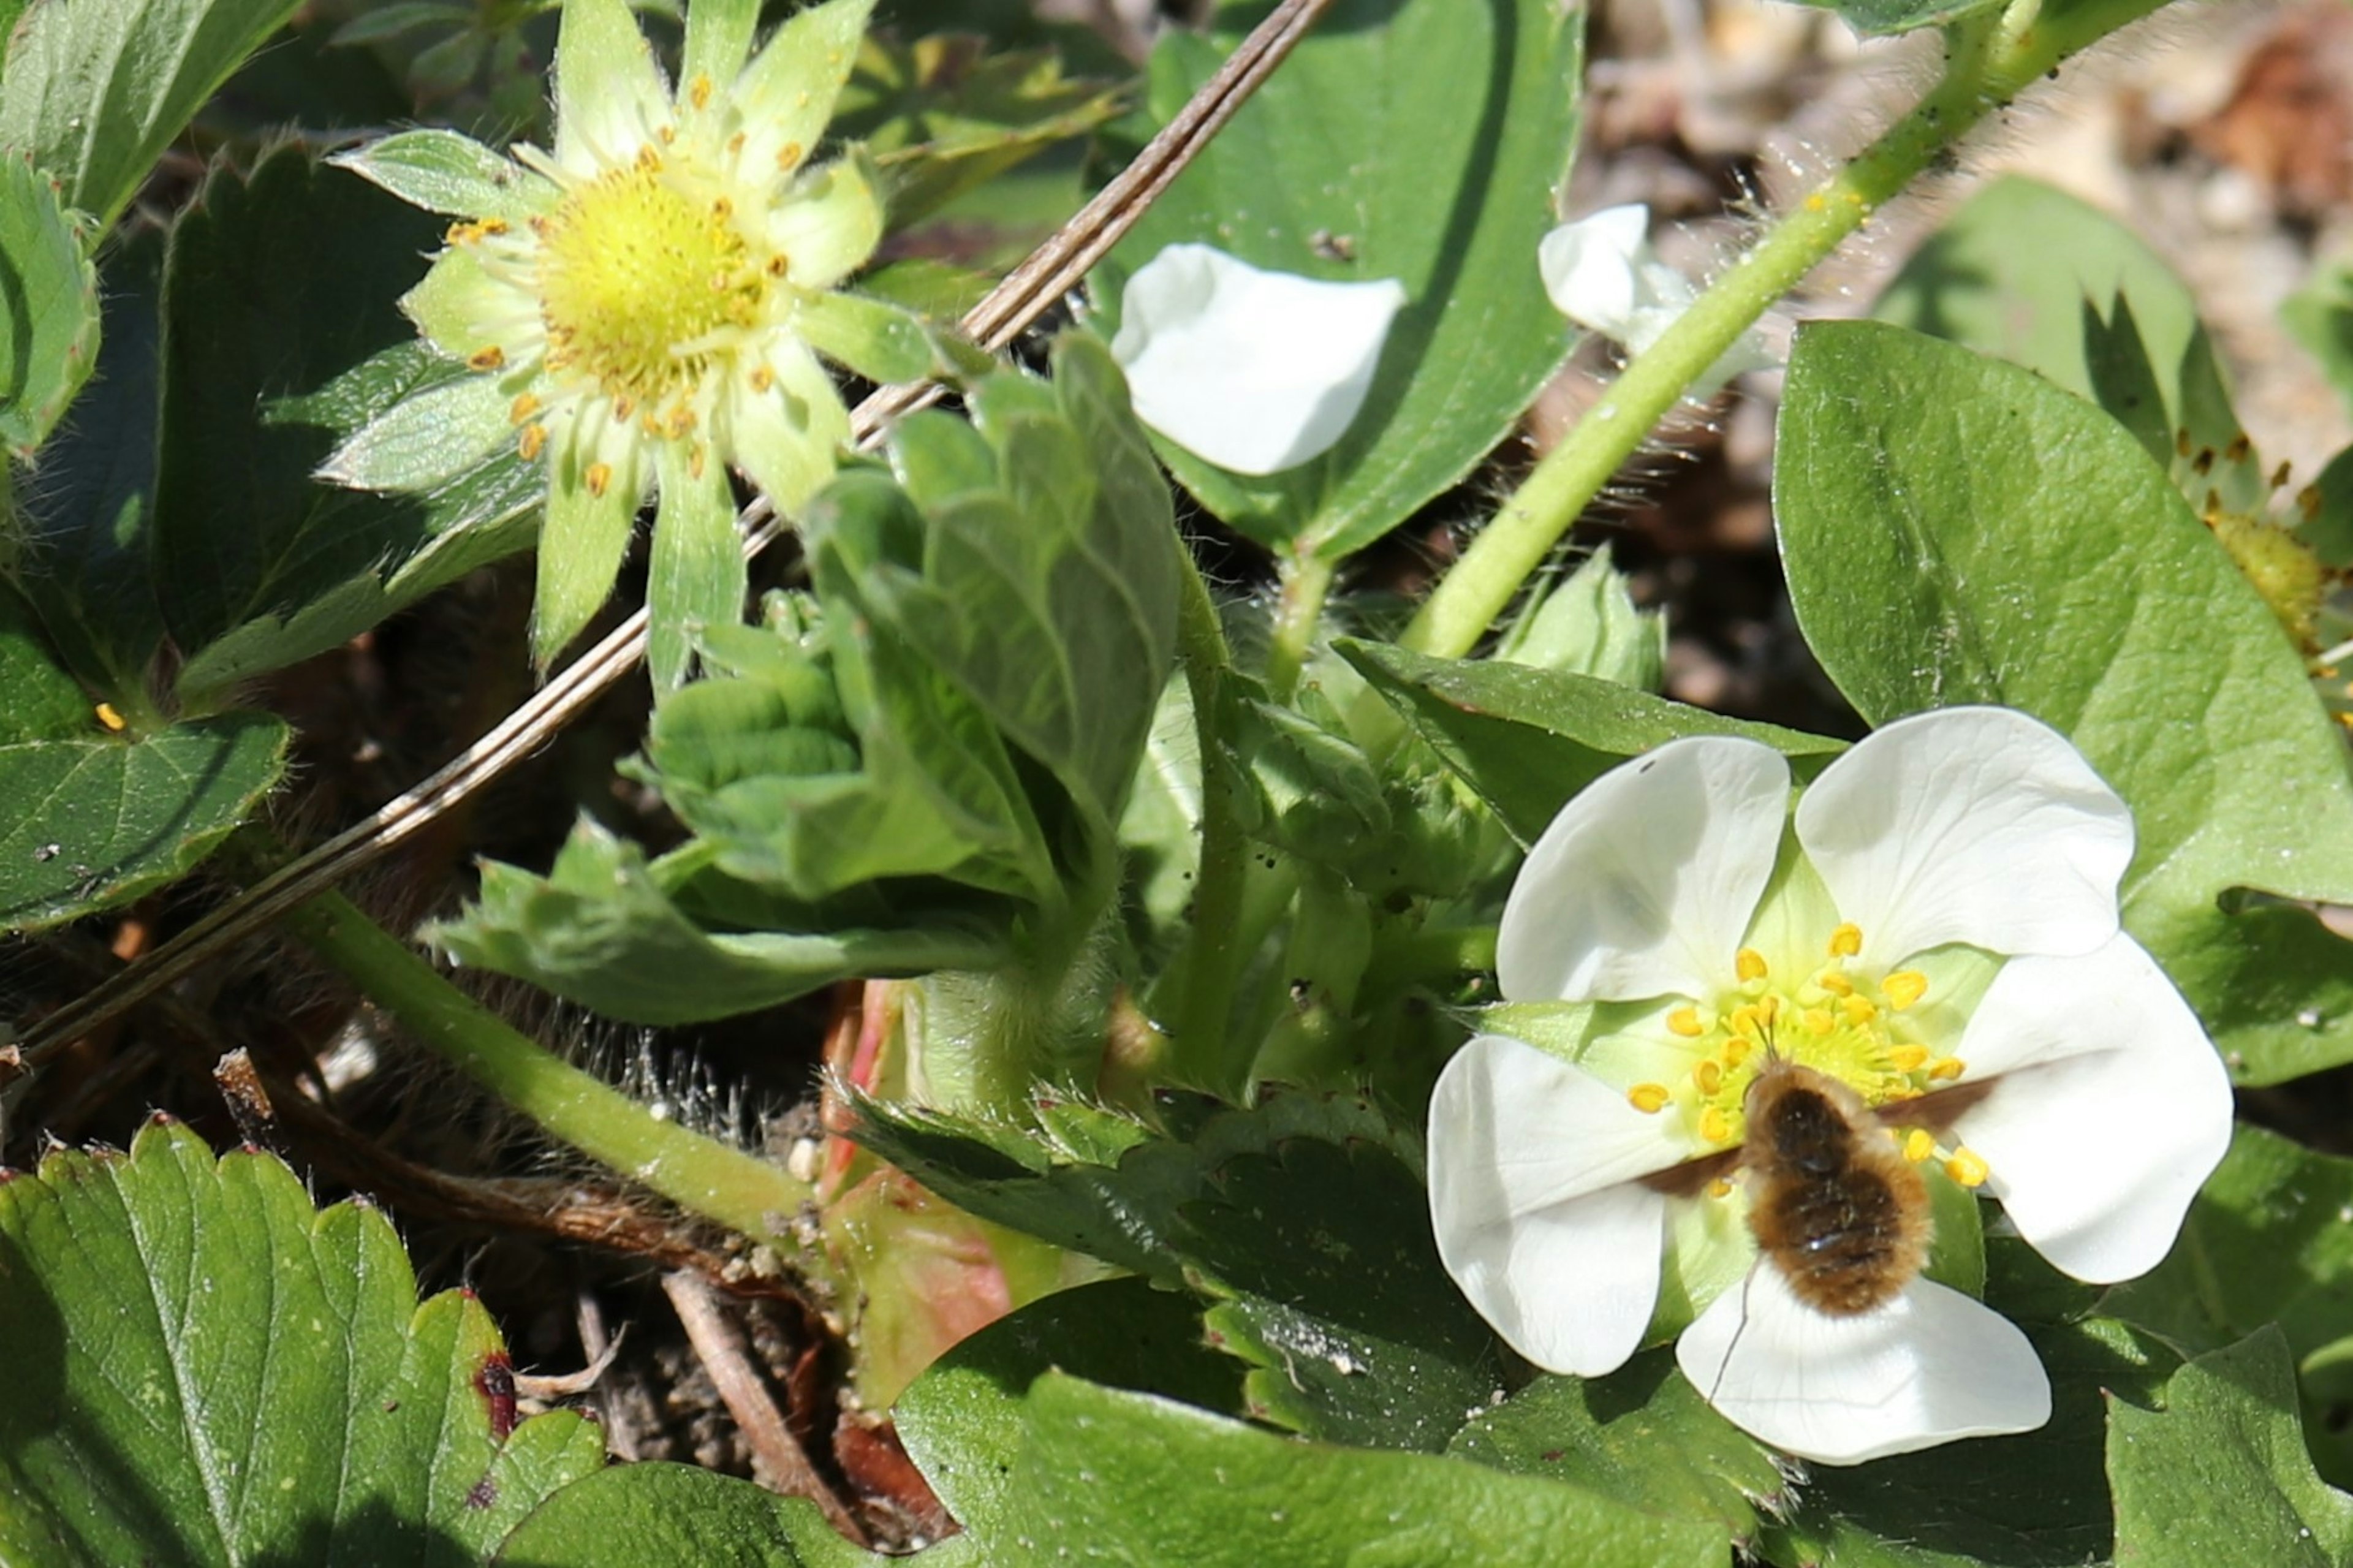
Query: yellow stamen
column 1859, row 1010
column 698, row 91
column 1946, row 1068
column 1715, row 1126
column 622, row 409
column 1650, row 1098
column 599, row 478
column 1684, row 1021
column 491, row 358
column 1908, row 1058
column 1719, row 1188
column 115, row 721
column 1969, row 1168
column 1835, row 981
column 763, row 378
column 1708, row 1076
column 1735, row 1051
column 1818, row 1020
column 1918, row 1145
column 531, row 443
column 521, row 408
column 788, row 156
column 1846, row 940
column 694, row 459
column 1904, row 987
column 1748, row 963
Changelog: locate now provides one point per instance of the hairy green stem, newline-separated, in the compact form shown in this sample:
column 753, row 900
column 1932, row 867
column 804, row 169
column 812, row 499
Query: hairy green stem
column 1206, row 1050
column 700, row 1174
column 1306, row 583
column 1989, row 59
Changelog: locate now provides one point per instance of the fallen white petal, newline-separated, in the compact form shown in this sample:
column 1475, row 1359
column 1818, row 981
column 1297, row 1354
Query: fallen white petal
column 1644, row 884
column 1601, row 272
column 1539, row 1215
column 2110, row 1110
column 1929, row 1367
column 1974, row 825
column 1255, row 371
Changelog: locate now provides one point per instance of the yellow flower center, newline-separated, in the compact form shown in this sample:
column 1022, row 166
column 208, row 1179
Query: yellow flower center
column 1849, row 1027
column 641, row 284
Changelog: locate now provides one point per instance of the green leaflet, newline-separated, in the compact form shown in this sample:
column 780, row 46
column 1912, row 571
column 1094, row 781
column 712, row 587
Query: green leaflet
column 1093, row 1416
column 48, row 307
column 1302, row 1221
column 95, row 92
column 210, row 1371
column 2221, row 1470
column 1415, row 140
column 1528, row 739
column 1955, row 530
column 257, row 563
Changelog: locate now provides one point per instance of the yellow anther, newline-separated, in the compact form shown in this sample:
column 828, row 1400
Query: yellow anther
column 1715, row 1126
column 1818, row 1020
column 698, row 91
column 1748, row 963
column 735, row 144
column 695, row 457
column 1684, row 1021
column 1719, row 1188
column 1908, row 1059
column 1650, row 1098
column 1708, row 1076
column 107, row 716
column 1969, row 1168
column 531, row 443
column 1846, row 940
column 1946, row 1068
column 1918, row 1145
column 779, row 265
column 491, row 358
column 1859, row 1010
column 599, row 478
column 1904, row 987
column 1735, row 1051
column 521, row 408
column 1835, row 981
column 622, row 408
column 763, row 378
column 1768, row 1009
column 649, row 160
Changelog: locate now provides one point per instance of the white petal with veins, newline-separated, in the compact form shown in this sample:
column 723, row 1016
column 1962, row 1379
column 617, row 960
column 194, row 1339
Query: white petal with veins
column 1644, row 884
column 2110, row 1110
column 1255, row 371
column 1930, row 1366
column 1974, row 825
column 1539, row 1213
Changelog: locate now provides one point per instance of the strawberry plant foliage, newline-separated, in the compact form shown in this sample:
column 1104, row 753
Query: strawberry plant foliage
column 1090, row 816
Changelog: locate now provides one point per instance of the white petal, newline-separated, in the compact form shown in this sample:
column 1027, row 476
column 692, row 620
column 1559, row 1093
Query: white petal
column 1929, row 1367
column 609, row 94
column 1255, row 371
column 1976, row 824
column 2111, row 1109
column 1538, row 1214
column 1644, row 884
column 1601, row 273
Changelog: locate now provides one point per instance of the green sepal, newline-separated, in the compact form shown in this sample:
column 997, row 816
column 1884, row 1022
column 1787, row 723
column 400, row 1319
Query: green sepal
column 455, row 175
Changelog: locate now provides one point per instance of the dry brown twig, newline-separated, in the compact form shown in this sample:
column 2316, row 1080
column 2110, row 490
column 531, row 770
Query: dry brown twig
column 1054, row 269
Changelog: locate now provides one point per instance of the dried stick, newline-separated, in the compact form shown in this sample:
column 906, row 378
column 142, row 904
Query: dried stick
column 725, row 1355
column 1056, row 268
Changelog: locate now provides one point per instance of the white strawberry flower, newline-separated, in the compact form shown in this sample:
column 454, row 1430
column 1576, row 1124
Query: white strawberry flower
column 1940, row 913
column 644, row 306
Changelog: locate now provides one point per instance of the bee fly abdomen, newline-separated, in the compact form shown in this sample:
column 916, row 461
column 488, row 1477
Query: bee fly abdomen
column 1839, row 1212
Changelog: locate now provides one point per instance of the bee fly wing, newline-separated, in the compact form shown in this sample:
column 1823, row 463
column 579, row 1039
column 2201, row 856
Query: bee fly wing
column 1929, row 1366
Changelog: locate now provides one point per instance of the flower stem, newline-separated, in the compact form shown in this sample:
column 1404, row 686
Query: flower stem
column 1989, row 59
column 699, row 1174
column 1306, row 582
column 1205, row 1051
